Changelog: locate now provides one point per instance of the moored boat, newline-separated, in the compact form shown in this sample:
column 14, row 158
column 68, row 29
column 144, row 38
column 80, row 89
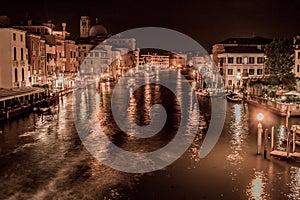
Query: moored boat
column 234, row 97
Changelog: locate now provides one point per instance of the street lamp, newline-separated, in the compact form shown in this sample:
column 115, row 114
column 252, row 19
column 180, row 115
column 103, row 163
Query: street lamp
column 260, row 117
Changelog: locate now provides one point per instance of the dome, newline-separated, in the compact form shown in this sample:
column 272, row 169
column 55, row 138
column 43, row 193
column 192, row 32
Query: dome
column 98, row 29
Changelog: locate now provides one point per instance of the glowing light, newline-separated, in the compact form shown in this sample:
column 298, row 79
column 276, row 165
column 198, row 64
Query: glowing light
column 260, row 116
column 256, row 189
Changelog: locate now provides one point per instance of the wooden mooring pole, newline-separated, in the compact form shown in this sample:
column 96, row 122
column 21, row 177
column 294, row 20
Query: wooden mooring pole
column 266, row 143
column 272, row 138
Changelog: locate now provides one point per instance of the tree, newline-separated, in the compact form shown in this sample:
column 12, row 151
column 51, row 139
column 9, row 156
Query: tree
column 280, row 63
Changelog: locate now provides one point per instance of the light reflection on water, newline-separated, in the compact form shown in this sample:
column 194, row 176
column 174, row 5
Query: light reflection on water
column 280, row 136
column 53, row 164
column 257, row 186
column 238, row 131
column 295, row 183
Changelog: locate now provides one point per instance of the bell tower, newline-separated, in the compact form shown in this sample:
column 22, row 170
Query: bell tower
column 85, row 25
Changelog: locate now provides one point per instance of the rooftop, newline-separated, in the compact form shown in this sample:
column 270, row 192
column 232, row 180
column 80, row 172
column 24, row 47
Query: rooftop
column 253, row 40
column 242, row 49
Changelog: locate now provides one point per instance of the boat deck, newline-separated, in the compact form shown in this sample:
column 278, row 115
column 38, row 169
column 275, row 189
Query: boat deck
column 277, row 153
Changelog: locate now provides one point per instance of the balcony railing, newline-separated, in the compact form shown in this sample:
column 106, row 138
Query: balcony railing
column 15, row 63
column 22, row 63
column 245, row 75
column 16, row 84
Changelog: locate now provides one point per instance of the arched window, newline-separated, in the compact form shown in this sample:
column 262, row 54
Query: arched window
column 22, row 74
column 16, row 75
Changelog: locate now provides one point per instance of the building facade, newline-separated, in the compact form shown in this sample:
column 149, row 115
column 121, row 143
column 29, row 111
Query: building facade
column 297, row 56
column 13, row 58
column 239, row 65
column 53, row 55
column 100, row 54
column 240, row 60
column 36, row 59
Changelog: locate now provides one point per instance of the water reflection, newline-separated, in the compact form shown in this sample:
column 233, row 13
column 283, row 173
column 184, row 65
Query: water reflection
column 238, row 131
column 281, row 136
column 295, row 183
column 257, row 186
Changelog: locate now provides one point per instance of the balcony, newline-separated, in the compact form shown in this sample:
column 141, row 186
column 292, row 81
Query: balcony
column 15, row 63
column 245, row 75
column 16, row 84
column 22, row 63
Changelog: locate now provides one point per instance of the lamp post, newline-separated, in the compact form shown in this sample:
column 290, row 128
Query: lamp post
column 260, row 117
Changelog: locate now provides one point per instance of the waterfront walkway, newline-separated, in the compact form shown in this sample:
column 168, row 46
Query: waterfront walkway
column 278, row 108
column 16, row 101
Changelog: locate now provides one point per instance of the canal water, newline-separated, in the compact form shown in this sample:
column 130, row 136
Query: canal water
column 42, row 157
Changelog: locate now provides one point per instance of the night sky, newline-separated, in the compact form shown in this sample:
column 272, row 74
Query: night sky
column 207, row 22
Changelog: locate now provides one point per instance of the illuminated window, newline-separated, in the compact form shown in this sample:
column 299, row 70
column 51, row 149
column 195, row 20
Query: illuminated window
column 239, row 60
column 230, row 71
column 251, row 60
column 251, row 71
column 245, row 60
column 259, row 71
column 260, row 60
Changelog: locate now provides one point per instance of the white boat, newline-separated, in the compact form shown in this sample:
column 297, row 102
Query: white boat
column 234, row 97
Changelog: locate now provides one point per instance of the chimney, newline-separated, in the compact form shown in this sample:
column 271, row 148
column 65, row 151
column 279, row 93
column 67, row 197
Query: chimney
column 64, row 26
column 29, row 22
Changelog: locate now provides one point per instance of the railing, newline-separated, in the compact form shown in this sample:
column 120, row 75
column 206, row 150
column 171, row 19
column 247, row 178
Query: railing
column 245, row 75
column 16, row 84
column 22, row 63
column 15, row 63
column 279, row 107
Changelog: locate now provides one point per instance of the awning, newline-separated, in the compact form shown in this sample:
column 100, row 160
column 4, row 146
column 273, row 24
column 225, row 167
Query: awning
column 295, row 93
column 6, row 94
